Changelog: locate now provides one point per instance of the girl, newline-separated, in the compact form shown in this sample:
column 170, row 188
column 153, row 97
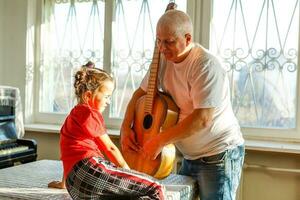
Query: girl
column 83, row 139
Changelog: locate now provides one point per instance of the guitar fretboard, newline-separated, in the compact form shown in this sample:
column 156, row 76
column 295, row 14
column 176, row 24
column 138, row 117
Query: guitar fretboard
column 152, row 82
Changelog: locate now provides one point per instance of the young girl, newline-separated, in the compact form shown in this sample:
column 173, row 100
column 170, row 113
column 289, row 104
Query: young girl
column 83, row 139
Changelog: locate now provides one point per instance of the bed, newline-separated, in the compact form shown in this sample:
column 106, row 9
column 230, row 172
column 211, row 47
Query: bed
column 29, row 181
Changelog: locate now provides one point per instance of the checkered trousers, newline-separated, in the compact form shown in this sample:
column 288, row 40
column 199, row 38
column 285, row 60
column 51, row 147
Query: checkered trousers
column 97, row 178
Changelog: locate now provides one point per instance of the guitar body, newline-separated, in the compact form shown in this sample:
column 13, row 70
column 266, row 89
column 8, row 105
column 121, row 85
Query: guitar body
column 146, row 125
column 153, row 112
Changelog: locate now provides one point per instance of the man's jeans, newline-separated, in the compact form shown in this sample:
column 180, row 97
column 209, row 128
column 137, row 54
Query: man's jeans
column 218, row 176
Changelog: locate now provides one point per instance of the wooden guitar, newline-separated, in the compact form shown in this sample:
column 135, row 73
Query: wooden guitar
column 154, row 112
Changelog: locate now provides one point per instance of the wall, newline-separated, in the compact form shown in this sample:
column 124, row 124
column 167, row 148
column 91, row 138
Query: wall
column 48, row 144
column 1, row 40
column 271, row 183
column 13, row 44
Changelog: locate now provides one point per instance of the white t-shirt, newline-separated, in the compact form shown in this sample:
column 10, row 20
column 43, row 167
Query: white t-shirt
column 201, row 82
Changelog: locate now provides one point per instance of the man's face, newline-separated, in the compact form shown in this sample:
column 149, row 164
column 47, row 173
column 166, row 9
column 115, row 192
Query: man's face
column 173, row 47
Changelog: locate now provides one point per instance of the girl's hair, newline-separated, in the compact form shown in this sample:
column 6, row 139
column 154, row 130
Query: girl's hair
column 89, row 78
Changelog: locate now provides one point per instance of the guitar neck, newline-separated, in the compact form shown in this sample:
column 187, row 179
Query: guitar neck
column 154, row 67
column 152, row 82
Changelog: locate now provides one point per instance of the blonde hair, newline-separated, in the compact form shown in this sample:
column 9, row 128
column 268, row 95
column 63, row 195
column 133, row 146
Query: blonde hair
column 89, row 78
column 176, row 21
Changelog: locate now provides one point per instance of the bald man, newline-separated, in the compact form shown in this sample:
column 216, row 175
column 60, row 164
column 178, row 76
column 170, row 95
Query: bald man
column 207, row 134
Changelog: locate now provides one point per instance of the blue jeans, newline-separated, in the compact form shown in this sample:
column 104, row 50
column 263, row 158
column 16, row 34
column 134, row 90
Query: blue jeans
column 218, row 176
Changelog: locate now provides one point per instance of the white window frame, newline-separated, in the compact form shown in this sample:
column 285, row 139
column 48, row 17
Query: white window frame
column 200, row 13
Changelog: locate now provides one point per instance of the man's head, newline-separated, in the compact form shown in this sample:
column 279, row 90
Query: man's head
column 174, row 35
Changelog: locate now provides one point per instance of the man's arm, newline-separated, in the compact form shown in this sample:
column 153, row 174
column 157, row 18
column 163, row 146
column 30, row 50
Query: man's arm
column 198, row 120
column 128, row 142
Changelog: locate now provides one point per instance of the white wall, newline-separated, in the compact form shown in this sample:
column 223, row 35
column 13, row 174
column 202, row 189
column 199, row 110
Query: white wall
column 271, row 182
column 1, row 40
column 13, row 43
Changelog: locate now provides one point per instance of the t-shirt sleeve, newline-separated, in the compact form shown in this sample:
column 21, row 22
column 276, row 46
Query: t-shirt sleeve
column 94, row 126
column 206, row 81
column 91, row 123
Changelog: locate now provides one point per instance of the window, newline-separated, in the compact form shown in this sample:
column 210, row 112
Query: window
column 72, row 34
column 256, row 40
column 117, row 35
column 258, row 44
column 133, row 41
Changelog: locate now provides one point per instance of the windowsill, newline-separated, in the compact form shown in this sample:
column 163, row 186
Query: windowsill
column 251, row 144
column 54, row 128
column 43, row 128
column 272, row 146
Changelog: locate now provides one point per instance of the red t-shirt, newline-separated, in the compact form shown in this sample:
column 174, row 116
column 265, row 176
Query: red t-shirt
column 77, row 136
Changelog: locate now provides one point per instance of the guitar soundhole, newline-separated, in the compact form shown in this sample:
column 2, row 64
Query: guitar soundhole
column 147, row 121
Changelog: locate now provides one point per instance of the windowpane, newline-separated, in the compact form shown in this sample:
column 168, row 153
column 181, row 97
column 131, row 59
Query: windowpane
column 72, row 34
column 258, row 43
column 133, row 42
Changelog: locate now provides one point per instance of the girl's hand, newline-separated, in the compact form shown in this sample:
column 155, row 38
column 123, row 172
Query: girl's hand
column 57, row 184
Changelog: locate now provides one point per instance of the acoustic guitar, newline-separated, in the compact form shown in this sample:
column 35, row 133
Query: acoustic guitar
column 154, row 112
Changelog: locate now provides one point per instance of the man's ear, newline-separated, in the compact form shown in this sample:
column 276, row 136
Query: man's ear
column 188, row 38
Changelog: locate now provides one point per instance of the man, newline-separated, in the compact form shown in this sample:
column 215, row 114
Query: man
column 207, row 134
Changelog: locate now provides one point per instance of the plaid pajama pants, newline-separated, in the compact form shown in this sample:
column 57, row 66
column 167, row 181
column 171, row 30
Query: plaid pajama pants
column 97, row 178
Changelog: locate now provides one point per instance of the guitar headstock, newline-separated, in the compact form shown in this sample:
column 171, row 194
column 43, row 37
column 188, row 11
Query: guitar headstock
column 171, row 6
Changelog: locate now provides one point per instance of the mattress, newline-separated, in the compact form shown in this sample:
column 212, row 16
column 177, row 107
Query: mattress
column 29, row 181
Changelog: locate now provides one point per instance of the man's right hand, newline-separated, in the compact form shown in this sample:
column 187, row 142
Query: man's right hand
column 128, row 142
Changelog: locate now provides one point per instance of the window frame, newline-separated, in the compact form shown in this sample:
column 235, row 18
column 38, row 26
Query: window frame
column 200, row 13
